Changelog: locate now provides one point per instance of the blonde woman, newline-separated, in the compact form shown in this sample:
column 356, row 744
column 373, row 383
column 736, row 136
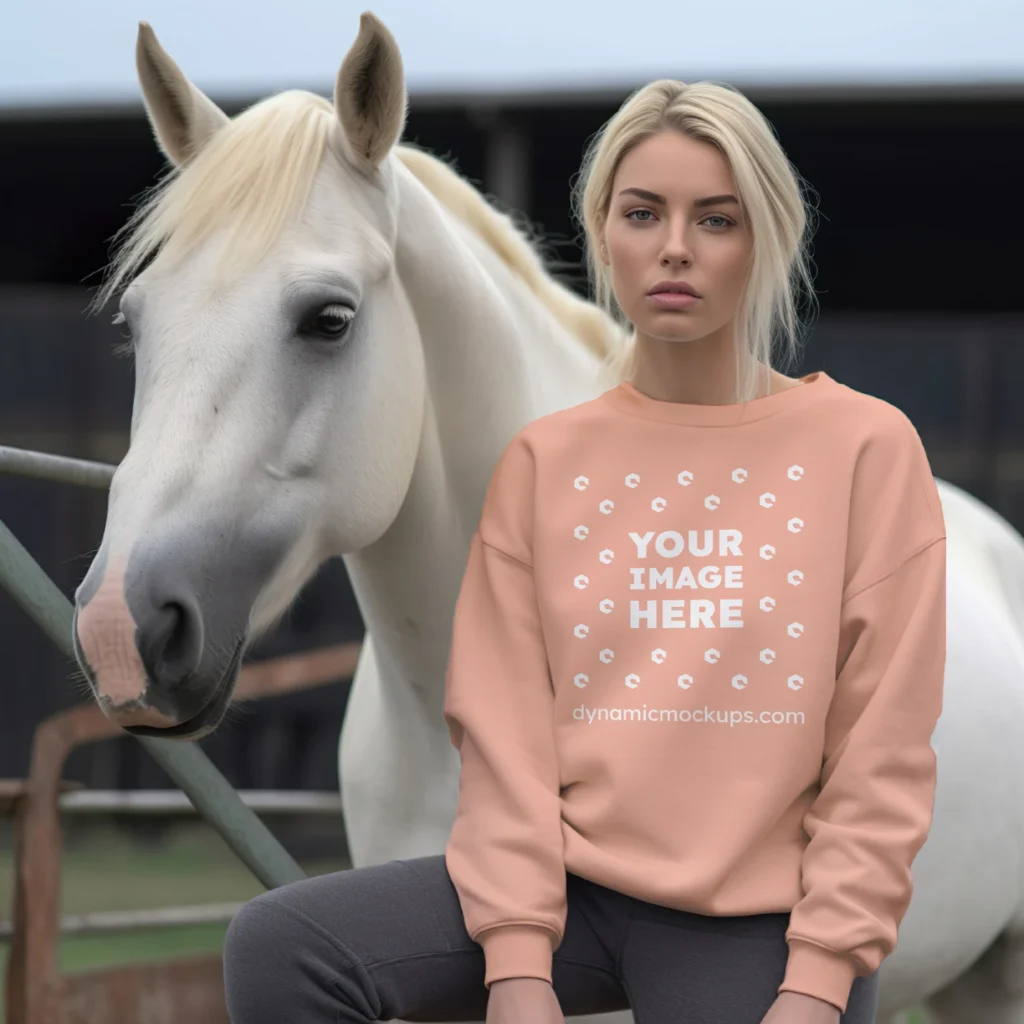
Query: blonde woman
column 696, row 663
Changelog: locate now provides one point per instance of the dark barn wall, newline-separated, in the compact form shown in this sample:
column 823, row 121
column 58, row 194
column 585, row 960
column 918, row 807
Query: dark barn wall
column 918, row 268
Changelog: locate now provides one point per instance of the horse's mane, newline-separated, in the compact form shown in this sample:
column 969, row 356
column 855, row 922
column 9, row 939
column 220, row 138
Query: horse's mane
column 251, row 176
column 257, row 171
column 500, row 232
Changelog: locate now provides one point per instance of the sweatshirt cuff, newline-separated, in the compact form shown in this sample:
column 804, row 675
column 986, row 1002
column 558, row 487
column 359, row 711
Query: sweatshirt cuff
column 815, row 971
column 517, row 951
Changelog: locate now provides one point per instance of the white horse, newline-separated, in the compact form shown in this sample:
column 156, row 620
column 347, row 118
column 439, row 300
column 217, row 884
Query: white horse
column 335, row 342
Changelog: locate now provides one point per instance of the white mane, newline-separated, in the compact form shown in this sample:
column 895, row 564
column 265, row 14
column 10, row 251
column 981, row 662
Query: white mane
column 255, row 174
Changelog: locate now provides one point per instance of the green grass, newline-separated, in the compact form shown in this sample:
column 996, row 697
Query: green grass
column 81, row 952
column 108, row 872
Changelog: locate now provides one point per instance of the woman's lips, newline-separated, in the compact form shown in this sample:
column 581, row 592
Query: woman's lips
column 672, row 300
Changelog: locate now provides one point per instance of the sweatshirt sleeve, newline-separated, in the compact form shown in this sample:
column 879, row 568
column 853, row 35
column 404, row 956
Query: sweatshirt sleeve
column 504, row 853
column 874, row 808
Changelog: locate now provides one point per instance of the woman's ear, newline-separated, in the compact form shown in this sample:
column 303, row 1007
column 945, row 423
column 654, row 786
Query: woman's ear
column 602, row 245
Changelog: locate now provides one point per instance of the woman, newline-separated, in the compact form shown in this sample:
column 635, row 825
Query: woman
column 696, row 663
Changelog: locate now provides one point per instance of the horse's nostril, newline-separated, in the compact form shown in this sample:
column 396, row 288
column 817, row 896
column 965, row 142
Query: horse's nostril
column 175, row 630
column 171, row 643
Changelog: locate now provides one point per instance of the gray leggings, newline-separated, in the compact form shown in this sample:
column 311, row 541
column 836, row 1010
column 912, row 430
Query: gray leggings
column 389, row 941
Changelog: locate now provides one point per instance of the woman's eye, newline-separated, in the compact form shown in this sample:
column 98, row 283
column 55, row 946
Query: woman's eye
column 631, row 212
column 331, row 322
column 717, row 216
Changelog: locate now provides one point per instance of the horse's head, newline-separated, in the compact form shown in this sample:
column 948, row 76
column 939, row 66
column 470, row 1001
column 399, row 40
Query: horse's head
column 267, row 322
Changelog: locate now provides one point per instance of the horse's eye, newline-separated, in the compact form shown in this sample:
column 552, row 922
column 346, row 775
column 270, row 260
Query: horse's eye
column 126, row 346
column 331, row 322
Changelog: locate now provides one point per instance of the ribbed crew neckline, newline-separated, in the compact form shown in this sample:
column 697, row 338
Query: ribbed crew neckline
column 630, row 400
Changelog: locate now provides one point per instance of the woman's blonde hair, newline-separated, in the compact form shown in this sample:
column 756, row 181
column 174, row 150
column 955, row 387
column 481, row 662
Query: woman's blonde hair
column 767, row 321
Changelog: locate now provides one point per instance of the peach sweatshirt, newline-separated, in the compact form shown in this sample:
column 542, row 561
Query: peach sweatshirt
column 697, row 657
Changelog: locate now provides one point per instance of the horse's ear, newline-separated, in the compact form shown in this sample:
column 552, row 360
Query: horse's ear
column 369, row 94
column 182, row 117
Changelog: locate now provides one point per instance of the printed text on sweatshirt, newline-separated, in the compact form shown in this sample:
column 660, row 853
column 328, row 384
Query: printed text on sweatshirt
column 697, row 657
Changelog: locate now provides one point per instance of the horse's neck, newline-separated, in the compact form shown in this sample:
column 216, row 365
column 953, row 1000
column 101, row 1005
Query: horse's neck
column 496, row 359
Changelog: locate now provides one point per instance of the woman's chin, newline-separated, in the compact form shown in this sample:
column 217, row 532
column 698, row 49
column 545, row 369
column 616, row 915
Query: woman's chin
column 673, row 328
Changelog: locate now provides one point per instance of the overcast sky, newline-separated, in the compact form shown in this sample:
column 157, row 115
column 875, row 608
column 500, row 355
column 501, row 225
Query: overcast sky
column 81, row 51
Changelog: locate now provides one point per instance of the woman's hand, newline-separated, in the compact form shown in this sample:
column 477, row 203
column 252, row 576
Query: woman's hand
column 523, row 1001
column 796, row 1008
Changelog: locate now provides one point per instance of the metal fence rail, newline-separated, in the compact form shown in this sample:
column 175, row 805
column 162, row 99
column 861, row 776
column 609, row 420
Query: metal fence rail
column 210, row 793
column 167, row 803
column 99, row 922
column 58, row 468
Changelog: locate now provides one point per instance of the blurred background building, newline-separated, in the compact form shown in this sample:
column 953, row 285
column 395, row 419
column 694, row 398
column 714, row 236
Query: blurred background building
column 906, row 118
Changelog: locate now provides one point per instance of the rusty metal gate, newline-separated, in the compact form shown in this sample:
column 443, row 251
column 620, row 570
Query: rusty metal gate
column 189, row 991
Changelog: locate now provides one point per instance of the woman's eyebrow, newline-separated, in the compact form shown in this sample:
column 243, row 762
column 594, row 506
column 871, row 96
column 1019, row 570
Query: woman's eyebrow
column 655, row 198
